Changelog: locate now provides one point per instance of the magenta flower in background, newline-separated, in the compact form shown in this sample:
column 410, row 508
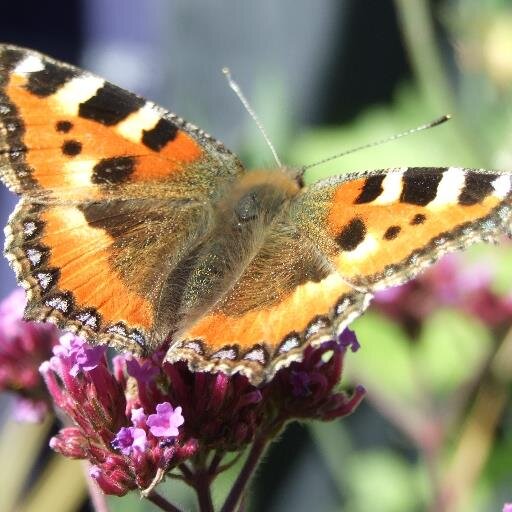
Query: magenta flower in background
column 451, row 282
column 23, row 347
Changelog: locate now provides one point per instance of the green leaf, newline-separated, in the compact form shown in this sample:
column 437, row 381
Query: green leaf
column 385, row 360
column 452, row 348
column 381, row 480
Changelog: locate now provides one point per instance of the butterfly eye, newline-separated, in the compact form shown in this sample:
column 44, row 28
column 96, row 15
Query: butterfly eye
column 247, row 208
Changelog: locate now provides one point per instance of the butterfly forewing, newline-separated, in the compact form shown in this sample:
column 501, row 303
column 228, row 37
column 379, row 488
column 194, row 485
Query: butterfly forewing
column 115, row 190
column 381, row 228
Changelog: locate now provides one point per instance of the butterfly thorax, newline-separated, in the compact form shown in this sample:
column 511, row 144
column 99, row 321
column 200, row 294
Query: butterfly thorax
column 247, row 218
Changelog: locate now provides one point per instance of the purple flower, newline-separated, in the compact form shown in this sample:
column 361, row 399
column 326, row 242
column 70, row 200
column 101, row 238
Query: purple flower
column 130, row 439
column 84, row 357
column 11, row 312
column 507, row 507
column 301, row 382
column 23, row 347
column 348, row 339
column 101, row 402
column 138, row 417
column 128, row 449
column 166, row 421
column 143, row 372
column 308, row 389
column 451, row 282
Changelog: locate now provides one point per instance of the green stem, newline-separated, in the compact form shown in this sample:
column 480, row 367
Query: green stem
column 421, row 43
column 202, row 482
column 419, row 36
column 238, row 490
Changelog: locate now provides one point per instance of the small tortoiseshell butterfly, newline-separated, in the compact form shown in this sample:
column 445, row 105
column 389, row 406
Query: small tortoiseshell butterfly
column 135, row 227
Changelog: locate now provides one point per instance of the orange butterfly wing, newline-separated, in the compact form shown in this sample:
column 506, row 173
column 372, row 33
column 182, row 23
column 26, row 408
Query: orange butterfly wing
column 106, row 179
column 381, row 228
column 286, row 298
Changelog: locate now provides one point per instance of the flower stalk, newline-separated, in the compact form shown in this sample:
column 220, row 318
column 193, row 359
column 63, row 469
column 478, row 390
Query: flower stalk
column 237, row 492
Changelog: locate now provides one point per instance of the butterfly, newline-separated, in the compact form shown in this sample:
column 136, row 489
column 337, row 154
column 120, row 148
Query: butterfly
column 136, row 228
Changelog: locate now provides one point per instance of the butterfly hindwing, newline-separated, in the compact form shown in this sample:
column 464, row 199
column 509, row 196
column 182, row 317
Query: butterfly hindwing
column 287, row 297
column 100, row 269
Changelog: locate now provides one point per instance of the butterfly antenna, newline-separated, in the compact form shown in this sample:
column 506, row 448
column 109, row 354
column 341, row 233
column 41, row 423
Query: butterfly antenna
column 250, row 111
column 431, row 124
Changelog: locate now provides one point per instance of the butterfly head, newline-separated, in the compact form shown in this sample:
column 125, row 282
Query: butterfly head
column 260, row 195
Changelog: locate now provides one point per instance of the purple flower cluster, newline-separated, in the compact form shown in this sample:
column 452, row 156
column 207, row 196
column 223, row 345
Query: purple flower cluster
column 138, row 420
column 452, row 282
column 164, row 425
column 122, row 456
column 23, row 347
column 146, row 418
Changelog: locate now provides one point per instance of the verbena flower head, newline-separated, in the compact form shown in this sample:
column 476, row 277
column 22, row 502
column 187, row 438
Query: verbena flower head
column 23, row 347
column 452, row 282
column 144, row 418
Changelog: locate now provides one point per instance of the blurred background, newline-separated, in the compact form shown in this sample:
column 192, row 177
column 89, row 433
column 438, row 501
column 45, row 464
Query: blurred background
column 435, row 431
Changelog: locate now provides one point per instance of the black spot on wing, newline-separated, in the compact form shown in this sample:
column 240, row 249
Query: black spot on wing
column 49, row 80
column 476, row 188
column 111, row 171
column 63, row 126
column 163, row 132
column 110, row 105
column 351, row 235
column 419, row 218
column 371, row 190
column 392, row 232
column 419, row 185
column 71, row 147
